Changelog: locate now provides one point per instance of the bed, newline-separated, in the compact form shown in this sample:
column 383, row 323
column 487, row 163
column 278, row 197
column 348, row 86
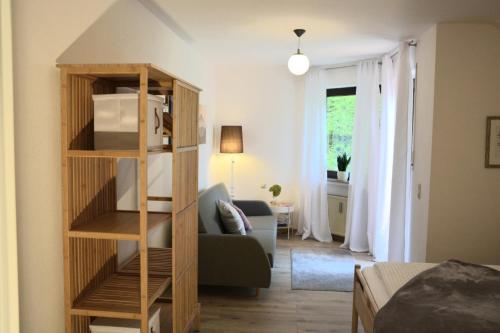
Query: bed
column 374, row 286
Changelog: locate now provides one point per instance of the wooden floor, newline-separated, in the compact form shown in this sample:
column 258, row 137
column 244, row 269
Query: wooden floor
column 278, row 309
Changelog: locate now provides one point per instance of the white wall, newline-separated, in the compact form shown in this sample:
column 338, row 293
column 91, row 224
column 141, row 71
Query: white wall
column 43, row 30
column 464, row 209
column 424, row 110
column 266, row 100
column 457, row 214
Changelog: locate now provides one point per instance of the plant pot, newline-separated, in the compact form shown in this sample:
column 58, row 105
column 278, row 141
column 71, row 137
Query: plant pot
column 343, row 176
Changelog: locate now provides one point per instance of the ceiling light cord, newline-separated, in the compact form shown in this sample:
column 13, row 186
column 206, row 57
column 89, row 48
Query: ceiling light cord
column 299, row 33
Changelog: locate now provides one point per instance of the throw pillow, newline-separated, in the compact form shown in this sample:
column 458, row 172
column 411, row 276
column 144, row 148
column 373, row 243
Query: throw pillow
column 233, row 224
column 246, row 222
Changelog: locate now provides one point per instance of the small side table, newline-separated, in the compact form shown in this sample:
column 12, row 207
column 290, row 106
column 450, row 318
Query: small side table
column 283, row 210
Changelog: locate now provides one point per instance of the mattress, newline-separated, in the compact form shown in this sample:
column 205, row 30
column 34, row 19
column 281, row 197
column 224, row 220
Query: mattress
column 384, row 279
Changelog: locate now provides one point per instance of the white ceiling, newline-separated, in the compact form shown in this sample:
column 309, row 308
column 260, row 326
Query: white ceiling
column 337, row 30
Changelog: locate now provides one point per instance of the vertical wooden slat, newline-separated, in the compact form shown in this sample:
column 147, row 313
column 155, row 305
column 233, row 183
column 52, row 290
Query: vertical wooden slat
column 186, row 171
column 143, row 143
column 185, row 209
column 66, row 206
column 186, row 114
column 89, row 190
column 176, row 292
column 91, row 260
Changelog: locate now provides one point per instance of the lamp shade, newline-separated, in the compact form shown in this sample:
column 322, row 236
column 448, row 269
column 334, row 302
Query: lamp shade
column 231, row 139
column 298, row 63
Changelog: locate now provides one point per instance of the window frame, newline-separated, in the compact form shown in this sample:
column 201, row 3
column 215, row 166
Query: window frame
column 335, row 92
column 345, row 91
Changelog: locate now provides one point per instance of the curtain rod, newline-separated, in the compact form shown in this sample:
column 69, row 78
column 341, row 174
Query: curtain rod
column 347, row 65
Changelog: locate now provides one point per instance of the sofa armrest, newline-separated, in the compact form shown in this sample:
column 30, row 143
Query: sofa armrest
column 232, row 260
column 253, row 207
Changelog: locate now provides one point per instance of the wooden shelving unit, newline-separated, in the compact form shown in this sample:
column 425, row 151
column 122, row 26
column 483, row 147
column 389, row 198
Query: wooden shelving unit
column 119, row 225
column 95, row 285
column 119, row 297
column 159, row 261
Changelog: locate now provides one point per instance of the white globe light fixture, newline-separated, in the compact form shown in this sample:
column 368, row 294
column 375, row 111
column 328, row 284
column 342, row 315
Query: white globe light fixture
column 298, row 64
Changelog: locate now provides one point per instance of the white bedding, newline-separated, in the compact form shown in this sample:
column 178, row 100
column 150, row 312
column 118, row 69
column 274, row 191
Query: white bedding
column 384, row 279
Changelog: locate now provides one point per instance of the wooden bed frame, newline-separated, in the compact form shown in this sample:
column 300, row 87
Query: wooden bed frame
column 363, row 303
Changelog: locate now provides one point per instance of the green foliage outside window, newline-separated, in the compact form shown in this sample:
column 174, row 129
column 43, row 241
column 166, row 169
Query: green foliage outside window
column 340, row 122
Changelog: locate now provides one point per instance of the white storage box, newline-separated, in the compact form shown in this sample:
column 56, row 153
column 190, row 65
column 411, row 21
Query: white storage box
column 110, row 325
column 116, row 121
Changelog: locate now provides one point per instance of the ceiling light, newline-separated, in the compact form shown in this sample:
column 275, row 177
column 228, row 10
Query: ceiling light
column 298, row 63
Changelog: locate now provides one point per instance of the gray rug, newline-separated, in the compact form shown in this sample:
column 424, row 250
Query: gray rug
column 322, row 269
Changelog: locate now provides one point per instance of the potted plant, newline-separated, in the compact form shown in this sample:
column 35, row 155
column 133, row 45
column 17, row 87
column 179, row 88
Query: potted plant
column 276, row 191
column 342, row 163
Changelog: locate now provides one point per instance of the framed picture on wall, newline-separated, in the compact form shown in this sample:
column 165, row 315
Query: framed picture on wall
column 492, row 142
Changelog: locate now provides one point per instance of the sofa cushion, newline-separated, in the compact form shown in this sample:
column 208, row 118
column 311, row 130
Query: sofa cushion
column 231, row 219
column 208, row 215
column 266, row 238
column 253, row 207
column 246, row 222
column 263, row 222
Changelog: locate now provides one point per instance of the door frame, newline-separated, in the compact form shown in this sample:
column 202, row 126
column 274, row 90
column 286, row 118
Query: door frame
column 9, row 290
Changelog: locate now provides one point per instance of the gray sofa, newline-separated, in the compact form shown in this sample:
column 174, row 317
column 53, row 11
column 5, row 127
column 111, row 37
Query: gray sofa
column 235, row 260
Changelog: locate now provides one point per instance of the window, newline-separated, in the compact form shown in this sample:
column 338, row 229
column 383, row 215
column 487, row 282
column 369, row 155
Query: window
column 341, row 107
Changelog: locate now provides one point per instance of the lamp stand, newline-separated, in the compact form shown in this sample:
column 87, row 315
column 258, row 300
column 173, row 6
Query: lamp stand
column 231, row 188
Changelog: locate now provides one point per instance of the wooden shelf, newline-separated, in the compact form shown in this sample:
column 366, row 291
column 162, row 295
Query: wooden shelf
column 119, row 297
column 163, row 149
column 159, row 263
column 104, row 153
column 120, row 225
column 117, row 153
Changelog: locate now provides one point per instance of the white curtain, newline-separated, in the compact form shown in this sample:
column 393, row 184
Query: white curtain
column 362, row 195
column 378, row 215
column 313, row 208
column 399, row 204
column 380, row 227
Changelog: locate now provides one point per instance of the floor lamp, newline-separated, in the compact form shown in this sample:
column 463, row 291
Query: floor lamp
column 231, row 142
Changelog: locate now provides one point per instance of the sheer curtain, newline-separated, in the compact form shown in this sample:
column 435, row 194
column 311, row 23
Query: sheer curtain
column 313, row 208
column 362, row 194
column 399, row 203
column 378, row 212
column 380, row 249
column 380, row 230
